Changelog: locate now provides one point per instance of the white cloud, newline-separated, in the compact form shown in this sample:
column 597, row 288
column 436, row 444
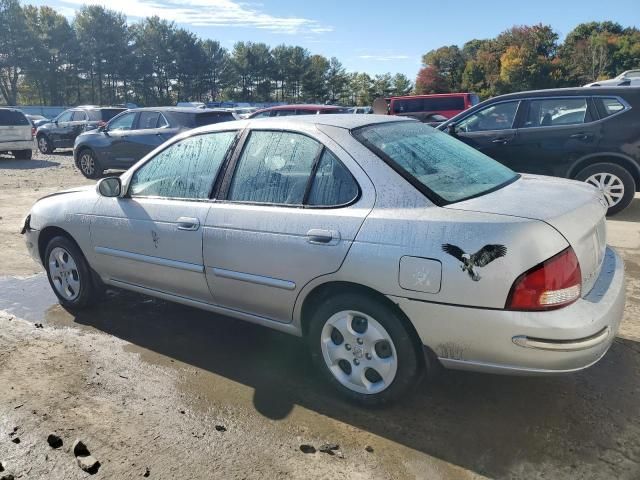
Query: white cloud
column 211, row 13
column 383, row 58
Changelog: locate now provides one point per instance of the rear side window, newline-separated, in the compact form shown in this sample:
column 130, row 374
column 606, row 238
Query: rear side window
column 557, row 111
column 609, row 106
column 332, row 185
column 148, row 120
column 79, row 116
column 186, row 169
column 208, row 118
column 274, row 168
column 11, row 118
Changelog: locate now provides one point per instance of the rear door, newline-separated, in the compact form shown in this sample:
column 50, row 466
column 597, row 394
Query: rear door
column 491, row 130
column 554, row 132
column 14, row 126
column 291, row 212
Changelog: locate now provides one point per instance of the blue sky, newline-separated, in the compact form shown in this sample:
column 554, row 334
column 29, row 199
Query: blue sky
column 371, row 36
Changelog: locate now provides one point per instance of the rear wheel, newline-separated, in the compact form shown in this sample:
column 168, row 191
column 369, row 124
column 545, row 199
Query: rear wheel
column 615, row 182
column 44, row 144
column 362, row 347
column 69, row 274
column 23, row 154
column 88, row 164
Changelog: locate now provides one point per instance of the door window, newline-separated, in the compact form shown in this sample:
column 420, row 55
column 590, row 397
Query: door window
column 556, row 111
column 123, row 122
column 79, row 116
column 609, row 106
column 65, row 116
column 274, row 168
column 332, row 185
column 499, row 116
column 186, row 169
column 148, row 120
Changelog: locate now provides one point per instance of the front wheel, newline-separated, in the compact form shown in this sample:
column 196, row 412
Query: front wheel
column 362, row 347
column 615, row 182
column 88, row 164
column 23, row 154
column 69, row 274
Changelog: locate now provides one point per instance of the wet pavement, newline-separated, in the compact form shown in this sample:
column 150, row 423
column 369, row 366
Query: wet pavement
column 585, row 425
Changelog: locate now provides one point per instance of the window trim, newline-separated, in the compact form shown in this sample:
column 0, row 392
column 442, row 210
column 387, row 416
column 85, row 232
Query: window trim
column 426, row 191
column 214, row 184
column 225, row 186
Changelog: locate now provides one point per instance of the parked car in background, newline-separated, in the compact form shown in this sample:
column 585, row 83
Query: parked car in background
column 191, row 104
column 15, row 133
column 243, row 112
column 630, row 78
column 131, row 135
column 361, row 110
column 429, row 108
column 36, row 121
column 590, row 135
column 377, row 239
column 61, row 132
column 286, row 110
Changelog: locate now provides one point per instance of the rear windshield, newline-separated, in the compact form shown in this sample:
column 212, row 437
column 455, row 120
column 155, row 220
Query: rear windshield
column 435, row 104
column 12, row 118
column 446, row 170
column 207, row 118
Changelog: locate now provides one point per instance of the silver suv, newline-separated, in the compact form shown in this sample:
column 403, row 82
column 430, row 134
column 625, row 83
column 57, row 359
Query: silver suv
column 15, row 133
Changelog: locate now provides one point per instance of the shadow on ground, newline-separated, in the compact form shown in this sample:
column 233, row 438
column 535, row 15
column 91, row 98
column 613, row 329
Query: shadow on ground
column 10, row 163
column 629, row 214
column 493, row 425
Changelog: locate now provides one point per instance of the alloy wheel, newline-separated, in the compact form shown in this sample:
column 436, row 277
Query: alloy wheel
column 64, row 273
column 43, row 145
column 359, row 352
column 610, row 185
column 87, row 164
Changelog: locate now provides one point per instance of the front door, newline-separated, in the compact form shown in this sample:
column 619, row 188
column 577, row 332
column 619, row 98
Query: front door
column 491, row 130
column 152, row 237
column 151, row 130
column 119, row 130
column 60, row 129
column 291, row 212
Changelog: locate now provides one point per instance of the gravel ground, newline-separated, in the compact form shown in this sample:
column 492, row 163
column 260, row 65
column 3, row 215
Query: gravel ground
column 165, row 391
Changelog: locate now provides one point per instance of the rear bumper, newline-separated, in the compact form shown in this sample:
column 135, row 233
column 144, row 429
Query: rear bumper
column 16, row 145
column 501, row 341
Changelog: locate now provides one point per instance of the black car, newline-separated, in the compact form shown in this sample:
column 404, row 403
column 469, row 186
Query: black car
column 584, row 134
column 61, row 132
column 132, row 134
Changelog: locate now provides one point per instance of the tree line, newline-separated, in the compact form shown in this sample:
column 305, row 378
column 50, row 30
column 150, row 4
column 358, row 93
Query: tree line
column 531, row 57
column 100, row 58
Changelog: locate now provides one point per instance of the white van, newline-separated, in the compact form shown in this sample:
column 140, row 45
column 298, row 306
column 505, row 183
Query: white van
column 15, row 134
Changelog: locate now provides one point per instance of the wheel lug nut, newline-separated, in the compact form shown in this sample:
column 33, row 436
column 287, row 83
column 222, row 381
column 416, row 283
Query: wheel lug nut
column 347, row 346
column 356, row 361
column 368, row 356
column 359, row 341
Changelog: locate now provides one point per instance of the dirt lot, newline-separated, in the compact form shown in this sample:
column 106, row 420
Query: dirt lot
column 165, row 391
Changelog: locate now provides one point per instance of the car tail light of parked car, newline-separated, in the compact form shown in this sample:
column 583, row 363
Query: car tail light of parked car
column 554, row 283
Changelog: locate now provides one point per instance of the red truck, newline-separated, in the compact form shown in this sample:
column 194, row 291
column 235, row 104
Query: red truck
column 433, row 108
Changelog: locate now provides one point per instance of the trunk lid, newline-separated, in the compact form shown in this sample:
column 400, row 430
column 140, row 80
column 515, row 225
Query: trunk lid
column 14, row 126
column 574, row 209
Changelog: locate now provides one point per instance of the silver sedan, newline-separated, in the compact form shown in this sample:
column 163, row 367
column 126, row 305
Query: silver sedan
column 391, row 247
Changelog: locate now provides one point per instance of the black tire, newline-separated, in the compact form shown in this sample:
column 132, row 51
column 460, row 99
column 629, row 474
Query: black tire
column 410, row 361
column 87, row 293
column 44, row 144
column 23, row 154
column 88, row 164
column 623, row 175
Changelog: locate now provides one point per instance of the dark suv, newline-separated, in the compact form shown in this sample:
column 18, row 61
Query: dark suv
column 62, row 131
column 132, row 134
column 584, row 134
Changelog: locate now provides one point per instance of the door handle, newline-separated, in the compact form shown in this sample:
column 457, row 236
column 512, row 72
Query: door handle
column 501, row 140
column 581, row 136
column 188, row 224
column 322, row 237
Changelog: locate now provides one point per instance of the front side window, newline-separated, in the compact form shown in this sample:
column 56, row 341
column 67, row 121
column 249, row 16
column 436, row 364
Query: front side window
column 186, row 169
column 499, row 116
column 443, row 168
column 123, row 122
column 556, row 111
column 65, row 116
column 274, row 168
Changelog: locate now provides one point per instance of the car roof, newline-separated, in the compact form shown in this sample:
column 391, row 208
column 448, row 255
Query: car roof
column 348, row 121
column 178, row 109
column 574, row 91
column 431, row 95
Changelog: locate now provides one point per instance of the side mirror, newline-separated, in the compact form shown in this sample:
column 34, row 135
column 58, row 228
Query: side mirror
column 110, row 187
column 452, row 129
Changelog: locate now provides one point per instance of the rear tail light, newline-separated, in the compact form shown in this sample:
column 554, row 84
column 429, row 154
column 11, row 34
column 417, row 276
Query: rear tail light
column 554, row 283
column 33, row 132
